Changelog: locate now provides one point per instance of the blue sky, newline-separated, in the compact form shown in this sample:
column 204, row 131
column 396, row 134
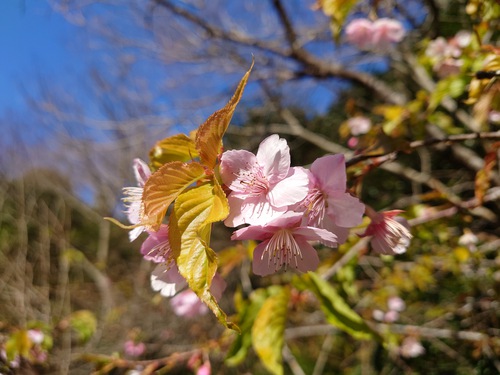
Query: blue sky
column 33, row 40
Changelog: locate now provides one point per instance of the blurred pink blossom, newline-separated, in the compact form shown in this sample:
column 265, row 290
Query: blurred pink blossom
column 263, row 185
column 469, row 240
column 188, row 304
column 377, row 36
column 390, row 233
column 359, row 125
column 204, row 369
column 411, row 348
column 494, row 117
column 386, row 32
column 359, row 33
column 285, row 242
column 36, row 336
column 396, row 304
column 391, row 316
column 134, row 349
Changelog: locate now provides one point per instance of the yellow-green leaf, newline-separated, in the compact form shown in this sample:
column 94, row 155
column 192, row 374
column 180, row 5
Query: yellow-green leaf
column 164, row 186
column 269, row 328
column 338, row 313
column 179, row 147
column 189, row 234
column 337, row 10
column 210, row 133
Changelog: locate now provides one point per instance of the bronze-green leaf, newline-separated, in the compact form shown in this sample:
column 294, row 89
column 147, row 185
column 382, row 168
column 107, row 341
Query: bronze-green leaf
column 210, row 133
column 178, row 147
column 164, row 186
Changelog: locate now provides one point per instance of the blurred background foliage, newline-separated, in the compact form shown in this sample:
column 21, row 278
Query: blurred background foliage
column 69, row 274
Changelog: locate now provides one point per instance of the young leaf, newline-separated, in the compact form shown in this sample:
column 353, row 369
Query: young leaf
column 210, row 133
column 338, row 313
column 164, row 186
column 189, row 234
column 269, row 327
column 179, row 147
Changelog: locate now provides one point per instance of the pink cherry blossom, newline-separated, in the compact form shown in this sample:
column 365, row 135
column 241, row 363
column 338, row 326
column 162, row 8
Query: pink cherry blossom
column 390, row 233
column 156, row 248
column 359, row 125
column 386, row 31
column 188, row 304
column 133, row 197
column 327, row 204
column 411, row 348
column 263, row 185
column 36, row 336
column 133, row 349
column 396, row 304
column 285, row 242
column 376, row 36
column 204, row 369
column 359, row 33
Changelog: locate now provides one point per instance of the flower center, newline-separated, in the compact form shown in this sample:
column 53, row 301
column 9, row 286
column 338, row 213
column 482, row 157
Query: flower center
column 282, row 249
column 253, row 182
column 315, row 205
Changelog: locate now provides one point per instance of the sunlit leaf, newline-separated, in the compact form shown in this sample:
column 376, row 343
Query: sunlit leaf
column 164, row 186
column 269, row 327
column 190, row 226
column 337, row 10
column 179, row 147
column 18, row 344
column 338, row 313
column 210, row 133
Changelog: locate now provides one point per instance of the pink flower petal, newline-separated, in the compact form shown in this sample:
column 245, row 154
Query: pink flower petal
column 290, row 190
column 252, row 210
column 330, row 172
column 345, row 210
column 141, row 172
column 156, row 247
column 315, row 234
column 297, row 254
column 274, row 157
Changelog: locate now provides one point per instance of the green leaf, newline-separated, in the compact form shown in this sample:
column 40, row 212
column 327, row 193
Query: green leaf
column 247, row 314
column 452, row 86
column 189, row 234
column 84, row 323
column 179, row 147
column 338, row 313
column 269, row 328
column 210, row 133
column 164, row 186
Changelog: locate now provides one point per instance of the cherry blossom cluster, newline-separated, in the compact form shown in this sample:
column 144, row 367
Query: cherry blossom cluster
column 288, row 209
column 445, row 53
column 375, row 36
